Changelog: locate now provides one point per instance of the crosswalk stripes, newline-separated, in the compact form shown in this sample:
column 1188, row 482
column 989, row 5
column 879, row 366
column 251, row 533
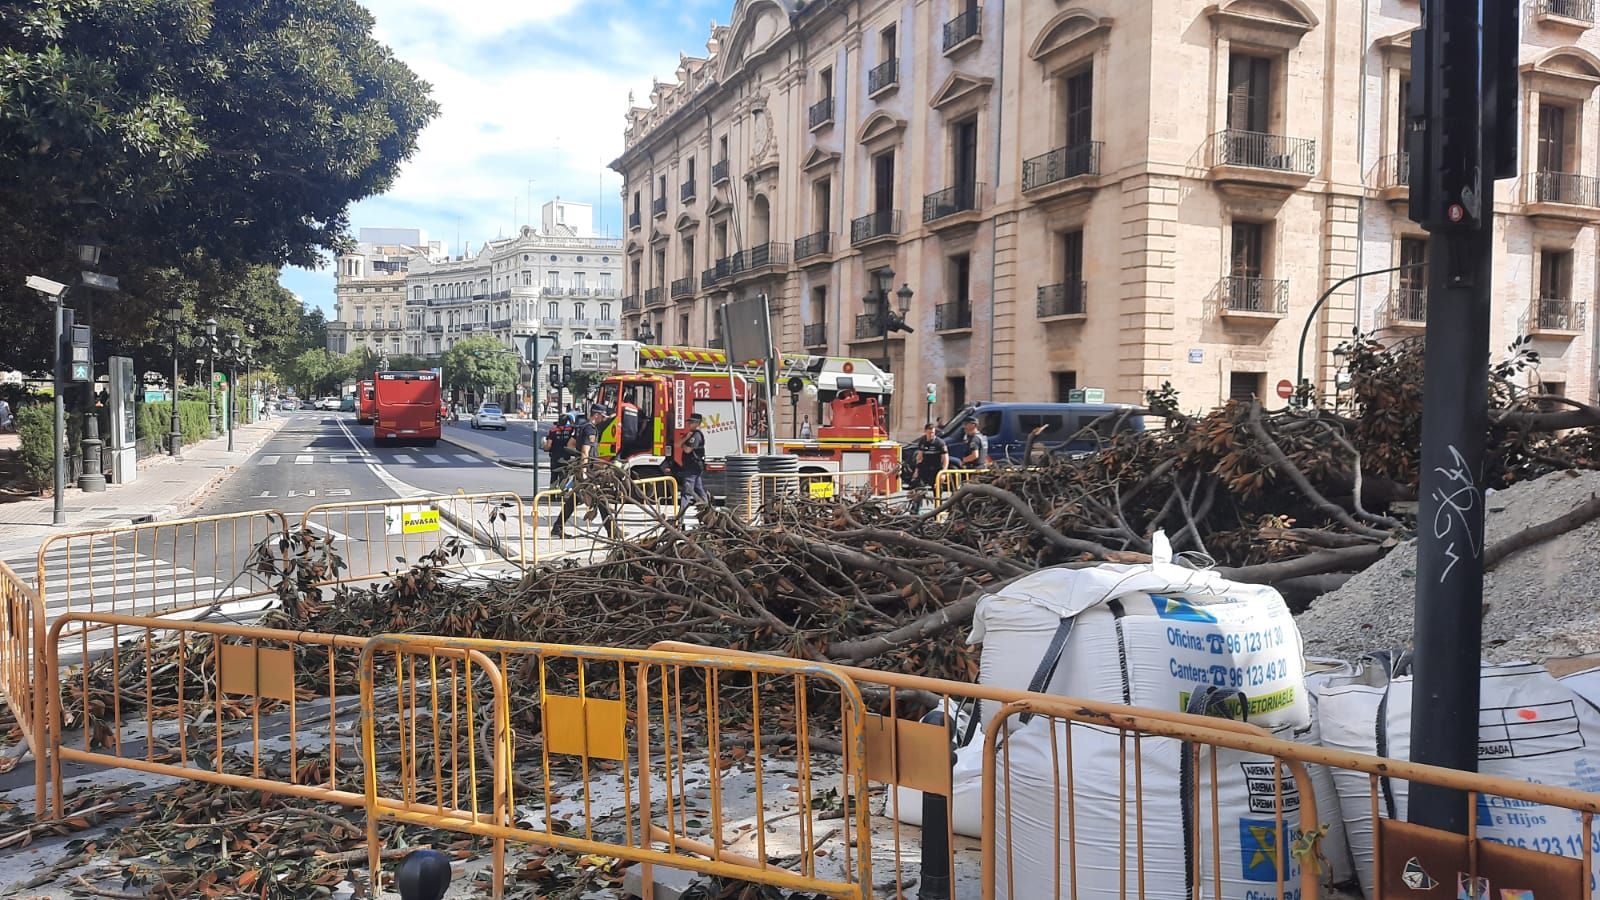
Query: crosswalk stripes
column 270, row 460
column 310, row 459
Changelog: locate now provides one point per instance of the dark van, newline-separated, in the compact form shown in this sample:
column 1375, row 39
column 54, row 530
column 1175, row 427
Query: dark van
column 1007, row 426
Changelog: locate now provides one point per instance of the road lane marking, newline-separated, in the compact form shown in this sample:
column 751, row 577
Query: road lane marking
column 270, row 460
column 436, row 460
column 303, row 460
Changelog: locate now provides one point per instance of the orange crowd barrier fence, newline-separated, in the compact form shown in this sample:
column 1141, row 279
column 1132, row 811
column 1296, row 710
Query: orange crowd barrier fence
column 459, row 531
column 703, row 762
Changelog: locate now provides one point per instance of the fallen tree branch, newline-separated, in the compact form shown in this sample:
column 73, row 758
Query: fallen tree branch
column 1580, row 515
column 1320, row 563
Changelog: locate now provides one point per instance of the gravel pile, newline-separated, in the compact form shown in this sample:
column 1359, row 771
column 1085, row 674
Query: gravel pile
column 1543, row 602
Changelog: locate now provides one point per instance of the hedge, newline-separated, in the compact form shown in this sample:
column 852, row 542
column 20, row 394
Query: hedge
column 154, row 421
column 36, row 427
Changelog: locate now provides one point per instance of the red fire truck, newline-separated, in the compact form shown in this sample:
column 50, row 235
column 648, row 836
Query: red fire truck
column 366, row 403
column 408, row 406
column 668, row 384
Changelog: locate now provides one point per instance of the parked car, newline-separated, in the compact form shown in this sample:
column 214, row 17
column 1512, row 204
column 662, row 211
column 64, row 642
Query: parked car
column 330, row 404
column 489, row 416
column 348, row 403
column 1007, row 426
column 288, row 404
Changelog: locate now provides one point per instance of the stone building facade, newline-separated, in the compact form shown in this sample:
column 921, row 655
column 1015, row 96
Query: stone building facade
column 1100, row 195
column 369, row 292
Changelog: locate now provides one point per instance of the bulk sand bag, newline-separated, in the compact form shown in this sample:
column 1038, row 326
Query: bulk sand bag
column 1532, row 728
column 1144, row 635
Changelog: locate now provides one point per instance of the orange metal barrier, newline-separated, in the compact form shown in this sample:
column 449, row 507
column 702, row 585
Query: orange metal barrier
column 376, row 536
column 19, row 616
column 644, row 784
column 247, row 707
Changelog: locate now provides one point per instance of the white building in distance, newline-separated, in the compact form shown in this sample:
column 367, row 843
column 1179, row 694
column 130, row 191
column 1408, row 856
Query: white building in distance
column 369, row 289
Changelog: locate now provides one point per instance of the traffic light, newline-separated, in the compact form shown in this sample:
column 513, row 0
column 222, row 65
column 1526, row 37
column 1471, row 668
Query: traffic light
column 79, row 341
column 566, row 368
column 933, row 392
column 555, row 374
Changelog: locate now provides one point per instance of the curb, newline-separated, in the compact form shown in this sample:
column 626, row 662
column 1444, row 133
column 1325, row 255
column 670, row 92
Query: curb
column 491, row 456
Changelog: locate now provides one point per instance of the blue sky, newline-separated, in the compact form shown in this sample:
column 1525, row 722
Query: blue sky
column 532, row 96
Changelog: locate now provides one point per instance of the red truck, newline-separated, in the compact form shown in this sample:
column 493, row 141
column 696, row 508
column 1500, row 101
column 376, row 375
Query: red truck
column 366, row 403
column 408, row 406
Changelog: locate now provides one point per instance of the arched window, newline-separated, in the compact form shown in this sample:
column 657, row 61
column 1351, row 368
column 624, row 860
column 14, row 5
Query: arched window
column 605, row 312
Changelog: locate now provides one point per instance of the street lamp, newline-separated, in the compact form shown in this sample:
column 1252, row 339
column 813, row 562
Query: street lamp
column 91, row 478
column 211, row 370
column 645, row 335
column 889, row 320
column 232, row 359
column 175, row 439
column 1302, row 387
column 55, row 292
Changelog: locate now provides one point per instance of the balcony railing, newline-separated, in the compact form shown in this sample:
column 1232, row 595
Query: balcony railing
column 686, row 191
column 951, row 200
column 717, row 342
column 603, row 292
column 884, row 75
column 1407, row 306
column 605, row 322
column 577, row 292
column 1060, row 164
column 875, row 225
column 658, row 206
column 814, row 244
column 683, row 287
column 1582, row 10
column 710, row 277
column 1566, row 188
column 1395, row 171
column 870, row 326
column 1558, row 314
column 500, row 324
column 433, row 329
column 553, row 320
column 1249, row 294
column 952, row 316
column 552, row 290
column 579, row 321
column 759, row 257
column 719, row 172
column 1065, row 299
column 1258, row 150
column 816, row 335
column 654, row 297
column 631, row 303
column 821, row 113
column 633, row 220
column 963, row 28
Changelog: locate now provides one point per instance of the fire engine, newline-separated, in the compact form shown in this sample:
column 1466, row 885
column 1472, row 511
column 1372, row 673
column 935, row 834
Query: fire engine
column 668, row 384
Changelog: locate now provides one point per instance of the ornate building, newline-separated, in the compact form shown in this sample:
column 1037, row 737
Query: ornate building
column 1104, row 195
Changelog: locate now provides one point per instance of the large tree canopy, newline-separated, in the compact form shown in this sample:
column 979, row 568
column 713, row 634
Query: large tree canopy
column 479, row 364
column 185, row 132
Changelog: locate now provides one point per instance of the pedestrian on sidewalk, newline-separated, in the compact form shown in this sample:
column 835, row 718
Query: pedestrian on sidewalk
column 805, row 429
column 6, row 419
column 692, row 464
column 586, row 438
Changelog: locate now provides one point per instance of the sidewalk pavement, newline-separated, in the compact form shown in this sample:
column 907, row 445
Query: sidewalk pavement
column 167, row 488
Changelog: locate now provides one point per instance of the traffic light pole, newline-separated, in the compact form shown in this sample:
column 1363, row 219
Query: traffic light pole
column 58, row 514
column 1467, row 99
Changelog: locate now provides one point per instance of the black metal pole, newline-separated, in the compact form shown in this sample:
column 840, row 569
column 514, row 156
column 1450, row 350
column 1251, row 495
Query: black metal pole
column 175, row 439
column 1455, row 421
column 934, row 872
column 91, row 476
column 59, row 427
column 533, row 353
column 233, row 398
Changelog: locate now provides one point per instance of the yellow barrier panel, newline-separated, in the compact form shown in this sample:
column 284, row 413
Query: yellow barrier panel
column 950, row 481
column 19, row 614
column 376, row 536
column 668, row 759
column 247, row 707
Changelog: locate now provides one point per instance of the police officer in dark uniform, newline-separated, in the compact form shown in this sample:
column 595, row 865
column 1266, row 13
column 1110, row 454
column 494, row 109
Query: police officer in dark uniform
column 585, row 442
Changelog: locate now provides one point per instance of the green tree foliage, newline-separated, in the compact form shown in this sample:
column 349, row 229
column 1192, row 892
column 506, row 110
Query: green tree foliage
column 479, row 364
column 187, row 132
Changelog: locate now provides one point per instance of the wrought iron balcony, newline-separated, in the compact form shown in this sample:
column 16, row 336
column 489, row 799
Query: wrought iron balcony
column 654, row 297
column 686, row 191
column 870, row 325
column 883, row 223
column 710, row 277
column 1065, row 299
column 814, row 244
column 1259, row 150
column 500, row 324
column 605, row 322
column 883, row 76
column 1407, row 307
column 683, row 287
column 1060, row 164
column 963, row 28
column 1581, row 10
column 816, row 335
column 1558, row 314
column 633, row 220
column 1566, row 188
column 1395, row 171
column 952, row 316
column 630, row 303
column 719, row 172
column 603, row 292
column 951, row 200
column 579, row 321
column 821, row 113
column 658, row 206
column 759, row 257
column 433, row 329
column 1249, row 294
column 552, row 321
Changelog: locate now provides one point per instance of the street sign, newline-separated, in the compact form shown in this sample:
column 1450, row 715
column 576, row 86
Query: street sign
column 411, row 519
column 1196, row 355
column 1285, row 389
column 820, row 490
column 80, row 371
column 1094, row 395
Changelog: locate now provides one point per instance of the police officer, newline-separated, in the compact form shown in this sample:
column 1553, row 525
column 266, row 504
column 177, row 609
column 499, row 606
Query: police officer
column 586, row 446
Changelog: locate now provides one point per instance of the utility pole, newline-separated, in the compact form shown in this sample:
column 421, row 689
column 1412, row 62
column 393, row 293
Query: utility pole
column 58, row 515
column 1462, row 137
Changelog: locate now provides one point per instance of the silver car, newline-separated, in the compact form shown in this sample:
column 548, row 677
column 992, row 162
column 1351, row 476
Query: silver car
column 489, row 416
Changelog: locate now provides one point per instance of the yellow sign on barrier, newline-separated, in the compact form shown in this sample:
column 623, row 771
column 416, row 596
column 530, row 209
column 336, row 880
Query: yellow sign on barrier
column 419, row 521
column 821, row 490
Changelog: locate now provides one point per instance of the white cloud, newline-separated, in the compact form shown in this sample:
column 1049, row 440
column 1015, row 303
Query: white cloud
column 401, row 21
